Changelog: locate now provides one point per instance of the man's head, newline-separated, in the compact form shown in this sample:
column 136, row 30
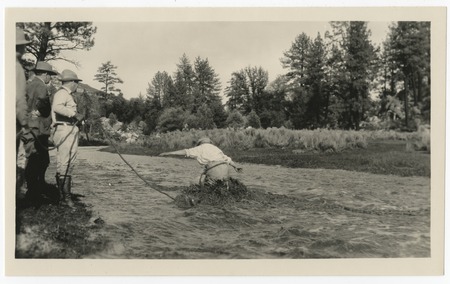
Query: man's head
column 44, row 71
column 204, row 140
column 69, row 79
column 21, row 42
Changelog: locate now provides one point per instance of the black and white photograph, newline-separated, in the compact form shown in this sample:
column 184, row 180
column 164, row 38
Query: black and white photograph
column 198, row 135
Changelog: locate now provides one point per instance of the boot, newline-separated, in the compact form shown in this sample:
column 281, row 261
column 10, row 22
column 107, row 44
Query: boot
column 64, row 185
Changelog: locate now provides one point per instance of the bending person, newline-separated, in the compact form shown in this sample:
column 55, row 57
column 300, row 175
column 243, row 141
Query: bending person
column 215, row 162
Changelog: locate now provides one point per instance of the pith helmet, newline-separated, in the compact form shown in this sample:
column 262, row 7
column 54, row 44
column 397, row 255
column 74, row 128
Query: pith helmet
column 20, row 37
column 203, row 140
column 68, row 75
column 44, row 66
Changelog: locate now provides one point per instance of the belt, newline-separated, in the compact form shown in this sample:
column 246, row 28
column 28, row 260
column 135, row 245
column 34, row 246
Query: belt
column 213, row 165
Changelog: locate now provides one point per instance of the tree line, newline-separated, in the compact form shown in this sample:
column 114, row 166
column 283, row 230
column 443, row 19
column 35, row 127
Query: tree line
column 340, row 80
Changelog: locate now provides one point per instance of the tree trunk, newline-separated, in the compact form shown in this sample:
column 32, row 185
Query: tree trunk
column 405, row 101
column 414, row 78
column 419, row 87
column 44, row 42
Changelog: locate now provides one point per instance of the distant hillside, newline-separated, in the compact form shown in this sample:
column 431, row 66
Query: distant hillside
column 90, row 89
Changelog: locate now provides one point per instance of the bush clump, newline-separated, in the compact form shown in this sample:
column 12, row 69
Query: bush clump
column 221, row 192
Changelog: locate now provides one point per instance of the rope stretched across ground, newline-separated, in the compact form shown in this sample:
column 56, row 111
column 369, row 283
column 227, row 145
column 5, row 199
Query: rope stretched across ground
column 151, row 185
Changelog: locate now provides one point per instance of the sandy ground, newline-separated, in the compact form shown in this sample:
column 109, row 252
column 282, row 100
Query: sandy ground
column 314, row 213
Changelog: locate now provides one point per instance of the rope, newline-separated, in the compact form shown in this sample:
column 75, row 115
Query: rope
column 151, row 185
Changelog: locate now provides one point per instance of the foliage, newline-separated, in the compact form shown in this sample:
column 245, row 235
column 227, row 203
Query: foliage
column 302, row 140
column 206, row 83
column 235, row 120
column 107, row 75
column 161, row 90
column 246, row 89
column 49, row 39
column 202, row 120
column 172, row 119
column 253, row 120
column 183, row 95
column 112, row 119
column 408, row 55
column 339, row 81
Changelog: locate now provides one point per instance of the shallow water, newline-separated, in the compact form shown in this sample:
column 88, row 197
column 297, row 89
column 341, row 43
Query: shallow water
column 314, row 213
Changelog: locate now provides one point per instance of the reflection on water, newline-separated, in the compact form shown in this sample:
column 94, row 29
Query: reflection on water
column 143, row 223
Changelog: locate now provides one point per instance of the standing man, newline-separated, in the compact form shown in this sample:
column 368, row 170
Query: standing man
column 38, row 101
column 22, row 113
column 65, row 119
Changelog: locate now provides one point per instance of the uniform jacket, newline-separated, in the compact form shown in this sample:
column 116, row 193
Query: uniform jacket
column 38, row 101
column 21, row 103
column 64, row 106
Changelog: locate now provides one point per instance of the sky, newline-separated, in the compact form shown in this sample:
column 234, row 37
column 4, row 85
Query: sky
column 141, row 49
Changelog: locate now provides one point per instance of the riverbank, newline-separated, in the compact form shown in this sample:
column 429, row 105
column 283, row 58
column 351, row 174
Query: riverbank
column 387, row 157
column 46, row 229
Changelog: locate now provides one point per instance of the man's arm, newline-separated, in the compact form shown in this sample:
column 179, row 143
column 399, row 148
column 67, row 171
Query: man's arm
column 176, row 153
column 22, row 112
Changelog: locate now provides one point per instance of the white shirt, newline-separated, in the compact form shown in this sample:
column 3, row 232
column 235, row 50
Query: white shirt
column 207, row 153
column 63, row 104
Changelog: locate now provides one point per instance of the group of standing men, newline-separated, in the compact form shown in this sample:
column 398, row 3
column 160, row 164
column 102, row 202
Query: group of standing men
column 42, row 114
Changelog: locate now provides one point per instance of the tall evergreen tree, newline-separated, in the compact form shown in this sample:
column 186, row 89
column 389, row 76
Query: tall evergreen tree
column 106, row 74
column 410, row 44
column 305, row 62
column 258, row 78
column 246, row 89
column 315, row 82
column 295, row 60
column 238, row 92
column 161, row 90
column 184, row 84
column 206, row 83
column 359, row 60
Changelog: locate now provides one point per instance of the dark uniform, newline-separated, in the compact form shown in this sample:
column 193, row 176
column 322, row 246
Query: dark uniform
column 38, row 101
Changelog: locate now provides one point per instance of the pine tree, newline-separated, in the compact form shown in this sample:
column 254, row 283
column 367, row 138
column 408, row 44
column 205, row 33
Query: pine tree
column 161, row 90
column 359, row 59
column 107, row 75
column 315, row 83
column 246, row 89
column 206, row 83
column 184, row 84
column 237, row 92
column 410, row 44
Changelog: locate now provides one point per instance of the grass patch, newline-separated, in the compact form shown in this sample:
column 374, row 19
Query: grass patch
column 386, row 157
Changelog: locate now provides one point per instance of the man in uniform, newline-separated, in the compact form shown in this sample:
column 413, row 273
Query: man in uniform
column 38, row 101
column 22, row 113
column 65, row 119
